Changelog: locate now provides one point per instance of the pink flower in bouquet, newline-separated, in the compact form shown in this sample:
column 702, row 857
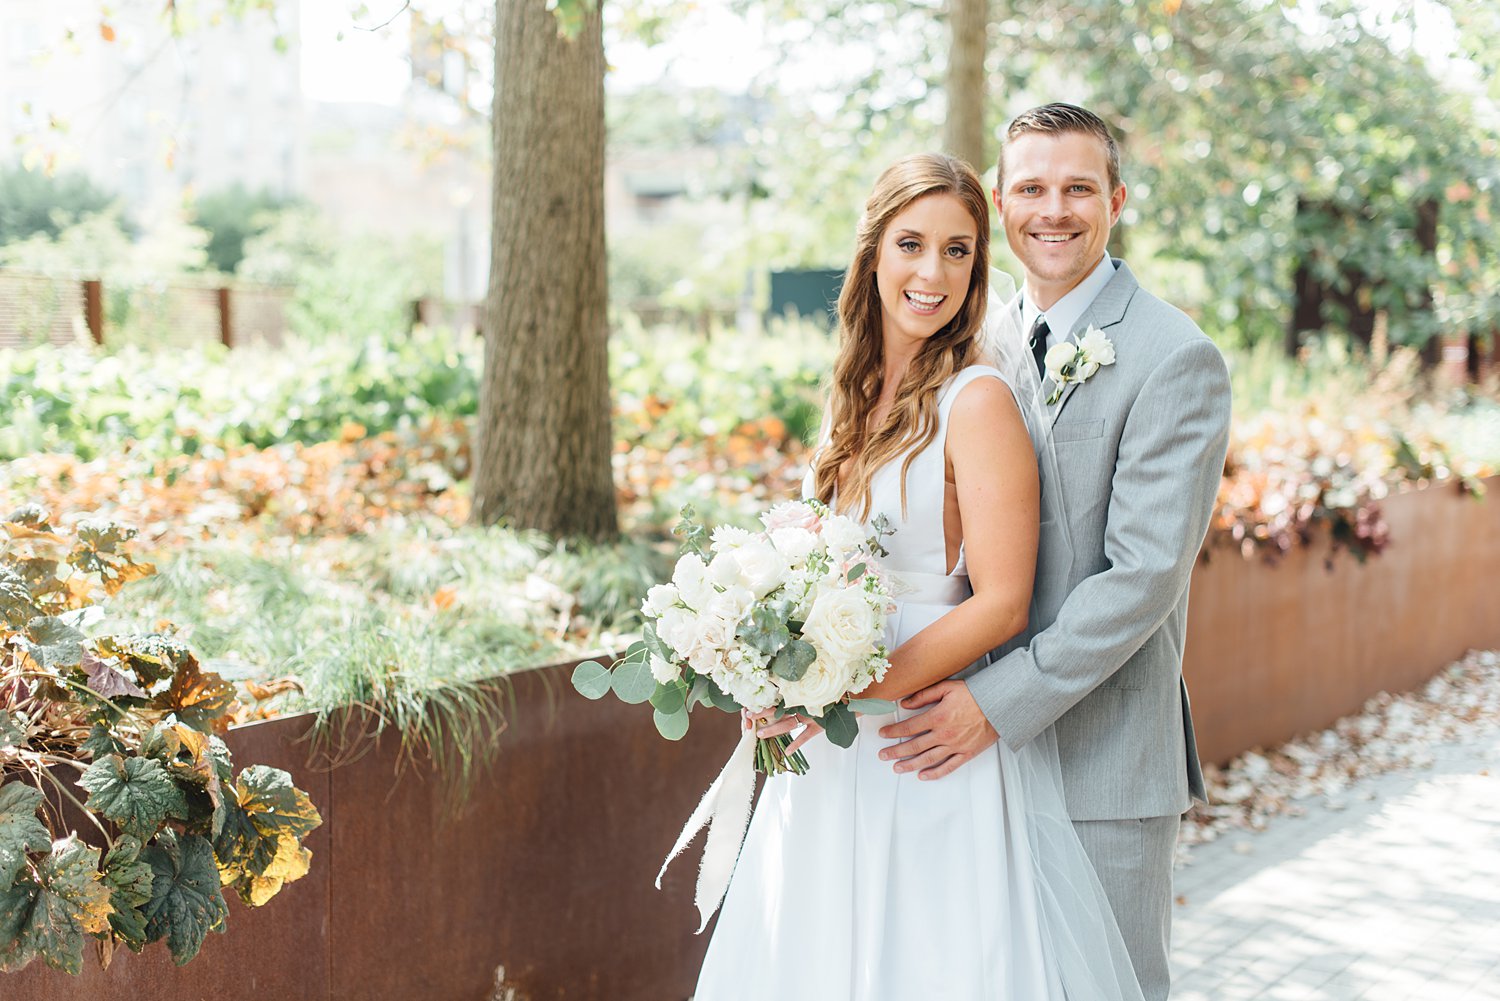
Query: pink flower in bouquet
column 792, row 514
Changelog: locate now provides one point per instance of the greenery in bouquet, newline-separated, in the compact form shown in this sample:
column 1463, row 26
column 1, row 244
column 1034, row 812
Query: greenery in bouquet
column 788, row 619
column 133, row 722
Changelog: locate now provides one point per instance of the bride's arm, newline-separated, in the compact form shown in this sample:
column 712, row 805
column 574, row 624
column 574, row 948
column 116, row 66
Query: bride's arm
column 994, row 468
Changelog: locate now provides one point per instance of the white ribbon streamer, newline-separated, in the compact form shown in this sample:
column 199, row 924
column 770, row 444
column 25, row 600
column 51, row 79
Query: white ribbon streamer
column 725, row 808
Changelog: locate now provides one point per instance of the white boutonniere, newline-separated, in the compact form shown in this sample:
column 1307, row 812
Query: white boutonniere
column 1077, row 361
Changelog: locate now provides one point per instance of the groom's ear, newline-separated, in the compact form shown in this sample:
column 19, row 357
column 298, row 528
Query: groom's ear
column 1116, row 203
column 995, row 197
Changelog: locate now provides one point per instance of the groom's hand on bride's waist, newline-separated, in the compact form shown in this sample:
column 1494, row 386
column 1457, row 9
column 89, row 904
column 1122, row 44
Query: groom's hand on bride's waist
column 949, row 733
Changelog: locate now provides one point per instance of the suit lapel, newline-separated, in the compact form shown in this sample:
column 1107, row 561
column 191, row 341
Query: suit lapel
column 1106, row 311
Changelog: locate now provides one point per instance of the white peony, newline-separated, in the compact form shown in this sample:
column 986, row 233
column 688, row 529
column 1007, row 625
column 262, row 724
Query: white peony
column 794, row 544
column 659, row 599
column 824, row 682
column 1097, row 347
column 842, row 625
column 843, row 534
column 675, row 627
column 725, row 571
column 691, row 577
column 664, row 671
column 728, row 537
column 762, row 568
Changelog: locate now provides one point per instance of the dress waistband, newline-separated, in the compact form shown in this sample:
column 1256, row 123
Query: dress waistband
column 927, row 588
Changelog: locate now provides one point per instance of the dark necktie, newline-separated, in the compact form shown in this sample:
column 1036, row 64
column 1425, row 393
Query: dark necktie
column 1039, row 332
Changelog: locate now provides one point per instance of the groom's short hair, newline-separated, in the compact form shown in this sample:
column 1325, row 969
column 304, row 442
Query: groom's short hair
column 1055, row 120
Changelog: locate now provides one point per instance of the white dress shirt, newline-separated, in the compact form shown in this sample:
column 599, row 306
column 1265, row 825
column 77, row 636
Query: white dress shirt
column 1068, row 310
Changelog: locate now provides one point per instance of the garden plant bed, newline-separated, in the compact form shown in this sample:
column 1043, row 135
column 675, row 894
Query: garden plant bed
column 548, row 873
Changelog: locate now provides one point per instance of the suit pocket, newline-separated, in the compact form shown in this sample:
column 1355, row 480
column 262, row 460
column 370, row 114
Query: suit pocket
column 1077, row 430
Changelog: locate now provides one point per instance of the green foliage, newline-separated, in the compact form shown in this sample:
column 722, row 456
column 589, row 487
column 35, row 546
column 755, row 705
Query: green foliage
column 232, row 217
column 37, row 203
column 159, row 781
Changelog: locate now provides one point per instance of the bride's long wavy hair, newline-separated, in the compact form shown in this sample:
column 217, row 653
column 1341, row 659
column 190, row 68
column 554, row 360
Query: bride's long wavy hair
column 855, row 450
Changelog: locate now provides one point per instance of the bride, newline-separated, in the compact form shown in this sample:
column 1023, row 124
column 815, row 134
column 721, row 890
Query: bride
column 865, row 882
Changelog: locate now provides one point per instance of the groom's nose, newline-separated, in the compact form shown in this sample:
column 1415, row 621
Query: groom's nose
column 1055, row 206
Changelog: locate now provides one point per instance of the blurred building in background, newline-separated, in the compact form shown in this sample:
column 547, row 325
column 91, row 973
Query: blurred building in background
column 110, row 91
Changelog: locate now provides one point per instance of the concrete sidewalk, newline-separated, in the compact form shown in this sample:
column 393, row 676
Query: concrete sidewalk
column 1395, row 897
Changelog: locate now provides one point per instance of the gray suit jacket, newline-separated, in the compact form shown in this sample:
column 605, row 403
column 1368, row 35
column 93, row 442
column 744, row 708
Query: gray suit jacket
column 1140, row 450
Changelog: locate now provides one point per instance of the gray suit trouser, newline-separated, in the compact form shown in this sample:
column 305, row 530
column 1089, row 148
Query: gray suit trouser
column 1134, row 861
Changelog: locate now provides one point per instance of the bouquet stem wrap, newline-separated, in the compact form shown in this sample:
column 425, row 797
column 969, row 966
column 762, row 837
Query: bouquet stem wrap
column 725, row 809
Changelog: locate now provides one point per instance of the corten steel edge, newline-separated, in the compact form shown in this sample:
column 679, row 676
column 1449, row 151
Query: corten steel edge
column 1274, row 651
column 548, row 874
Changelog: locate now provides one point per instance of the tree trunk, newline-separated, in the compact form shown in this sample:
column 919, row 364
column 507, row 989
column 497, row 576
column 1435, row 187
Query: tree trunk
column 963, row 131
column 544, row 440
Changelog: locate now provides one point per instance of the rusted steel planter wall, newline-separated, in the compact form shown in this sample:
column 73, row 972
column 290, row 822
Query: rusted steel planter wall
column 549, row 874
column 1274, row 651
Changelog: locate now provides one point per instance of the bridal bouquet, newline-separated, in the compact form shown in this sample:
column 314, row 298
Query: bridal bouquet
column 789, row 619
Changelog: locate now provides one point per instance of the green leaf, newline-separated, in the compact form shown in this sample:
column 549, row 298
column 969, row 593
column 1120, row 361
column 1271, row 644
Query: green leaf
column 764, row 630
column 101, row 742
column 263, row 812
column 186, row 902
column 719, row 698
column 11, row 731
column 670, row 698
column 20, row 829
column 48, row 918
column 654, row 643
column 591, row 679
column 792, row 662
column 632, row 681
column 136, row 793
column 872, row 707
column 53, row 643
column 855, row 572
column 672, row 726
column 16, row 606
column 840, row 725
column 129, row 882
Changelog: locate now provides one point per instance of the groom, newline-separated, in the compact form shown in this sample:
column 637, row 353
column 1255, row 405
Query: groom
column 1140, row 448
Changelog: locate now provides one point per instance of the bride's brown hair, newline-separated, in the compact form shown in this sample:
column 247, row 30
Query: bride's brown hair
column 855, row 450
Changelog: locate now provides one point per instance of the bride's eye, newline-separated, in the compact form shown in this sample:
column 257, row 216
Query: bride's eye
column 958, row 251
column 910, row 246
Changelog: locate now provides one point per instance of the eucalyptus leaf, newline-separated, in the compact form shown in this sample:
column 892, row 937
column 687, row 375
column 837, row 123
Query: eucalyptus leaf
column 719, row 698
column 673, row 726
column 872, row 707
column 632, row 681
column 840, row 725
column 654, row 643
column 670, row 698
column 793, row 660
column 855, row 572
column 591, row 679
column 764, row 630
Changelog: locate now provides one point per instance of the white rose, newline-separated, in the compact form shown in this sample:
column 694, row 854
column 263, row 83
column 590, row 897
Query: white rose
column 1086, row 370
column 731, row 604
column 761, row 566
column 794, row 544
column 825, row 681
column 659, row 599
column 843, row 533
column 691, row 577
column 727, row 538
column 842, row 625
column 1098, row 347
column 664, row 671
column 1058, row 356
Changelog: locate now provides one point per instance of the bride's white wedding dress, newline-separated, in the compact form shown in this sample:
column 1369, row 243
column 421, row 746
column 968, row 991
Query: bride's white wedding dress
column 856, row 883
